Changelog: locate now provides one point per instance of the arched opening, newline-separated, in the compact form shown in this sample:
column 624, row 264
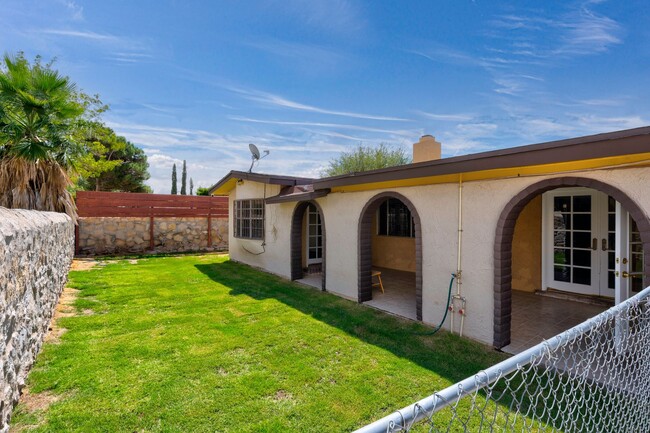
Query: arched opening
column 308, row 244
column 390, row 243
column 561, row 238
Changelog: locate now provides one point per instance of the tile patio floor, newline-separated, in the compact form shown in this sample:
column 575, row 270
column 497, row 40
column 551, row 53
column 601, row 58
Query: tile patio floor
column 536, row 318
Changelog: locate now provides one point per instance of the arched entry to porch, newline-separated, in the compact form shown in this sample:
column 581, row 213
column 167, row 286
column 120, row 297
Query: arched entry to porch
column 308, row 243
column 505, row 231
column 386, row 217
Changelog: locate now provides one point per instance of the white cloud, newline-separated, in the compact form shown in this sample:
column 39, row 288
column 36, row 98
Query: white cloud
column 335, row 17
column 158, row 160
column 121, row 49
column 76, row 11
column 279, row 101
column 304, row 52
column 597, row 123
column 445, row 117
column 82, row 35
column 403, row 132
column 589, row 33
column 579, row 31
column 603, row 102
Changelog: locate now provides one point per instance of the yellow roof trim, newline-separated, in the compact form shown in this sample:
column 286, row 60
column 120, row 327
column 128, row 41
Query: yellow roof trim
column 225, row 189
column 531, row 170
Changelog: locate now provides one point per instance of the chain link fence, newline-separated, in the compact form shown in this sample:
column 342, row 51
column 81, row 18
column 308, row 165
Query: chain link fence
column 594, row 377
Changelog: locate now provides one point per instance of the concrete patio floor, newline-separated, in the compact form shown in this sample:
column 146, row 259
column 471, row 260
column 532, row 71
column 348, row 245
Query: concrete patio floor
column 399, row 293
column 535, row 317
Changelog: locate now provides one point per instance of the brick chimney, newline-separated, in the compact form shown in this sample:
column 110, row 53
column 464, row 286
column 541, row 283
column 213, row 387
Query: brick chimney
column 427, row 149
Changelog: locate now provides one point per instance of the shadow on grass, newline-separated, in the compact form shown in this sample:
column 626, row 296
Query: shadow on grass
column 447, row 355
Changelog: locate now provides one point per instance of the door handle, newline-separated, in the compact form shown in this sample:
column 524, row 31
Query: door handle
column 625, row 274
column 594, row 244
column 604, row 244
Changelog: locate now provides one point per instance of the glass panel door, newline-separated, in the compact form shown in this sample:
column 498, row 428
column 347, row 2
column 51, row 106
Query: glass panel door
column 589, row 240
column 607, row 245
column 635, row 257
column 314, row 236
column 571, row 245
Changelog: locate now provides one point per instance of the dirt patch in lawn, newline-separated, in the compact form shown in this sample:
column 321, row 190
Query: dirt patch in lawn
column 282, row 395
column 37, row 402
column 37, row 405
column 65, row 308
column 83, row 264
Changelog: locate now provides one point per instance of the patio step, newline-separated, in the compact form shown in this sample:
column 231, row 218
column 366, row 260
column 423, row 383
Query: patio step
column 602, row 301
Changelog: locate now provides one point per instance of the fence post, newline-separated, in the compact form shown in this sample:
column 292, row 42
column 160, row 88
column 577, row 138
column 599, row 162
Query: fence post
column 151, row 244
column 209, row 229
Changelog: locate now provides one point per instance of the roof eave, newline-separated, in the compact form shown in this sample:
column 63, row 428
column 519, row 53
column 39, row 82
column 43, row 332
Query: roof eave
column 305, row 196
column 596, row 146
column 225, row 185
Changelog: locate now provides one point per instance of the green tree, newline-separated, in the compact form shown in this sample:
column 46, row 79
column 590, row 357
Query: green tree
column 364, row 158
column 202, row 191
column 39, row 112
column 113, row 163
column 101, row 147
column 184, row 179
column 191, row 186
column 174, row 186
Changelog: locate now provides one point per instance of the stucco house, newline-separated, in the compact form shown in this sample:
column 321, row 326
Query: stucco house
column 569, row 218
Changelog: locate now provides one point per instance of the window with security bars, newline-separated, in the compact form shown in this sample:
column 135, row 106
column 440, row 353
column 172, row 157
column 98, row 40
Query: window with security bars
column 249, row 219
column 395, row 219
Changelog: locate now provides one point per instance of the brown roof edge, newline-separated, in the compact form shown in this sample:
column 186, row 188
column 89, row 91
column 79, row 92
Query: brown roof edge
column 286, row 198
column 616, row 143
column 272, row 179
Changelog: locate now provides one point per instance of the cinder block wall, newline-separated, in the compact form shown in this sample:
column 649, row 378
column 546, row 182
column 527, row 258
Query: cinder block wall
column 124, row 235
column 36, row 249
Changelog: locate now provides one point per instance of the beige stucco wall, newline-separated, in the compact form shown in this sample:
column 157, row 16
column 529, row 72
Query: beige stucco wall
column 437, row 206
column 527, row 248
column 274, row 256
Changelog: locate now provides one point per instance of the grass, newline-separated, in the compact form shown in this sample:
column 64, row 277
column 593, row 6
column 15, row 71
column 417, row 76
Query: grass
column 198, row 343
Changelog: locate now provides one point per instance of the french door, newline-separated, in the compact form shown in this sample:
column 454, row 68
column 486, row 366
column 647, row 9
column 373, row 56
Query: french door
column 582, row 249
column 314, row 236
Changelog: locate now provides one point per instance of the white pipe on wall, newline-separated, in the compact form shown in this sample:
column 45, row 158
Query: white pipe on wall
column 460, row 236
column 459, row 262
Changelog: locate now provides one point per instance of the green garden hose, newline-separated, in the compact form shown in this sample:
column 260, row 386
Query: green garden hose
column 437, row 328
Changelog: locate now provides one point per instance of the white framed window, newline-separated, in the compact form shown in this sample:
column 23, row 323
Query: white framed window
column 249, row 219
column 314, row 236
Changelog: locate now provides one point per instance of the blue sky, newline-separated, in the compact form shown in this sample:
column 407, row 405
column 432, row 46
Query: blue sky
column 199, row 80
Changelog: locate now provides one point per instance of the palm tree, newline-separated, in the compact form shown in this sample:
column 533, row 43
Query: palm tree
column 38, row 113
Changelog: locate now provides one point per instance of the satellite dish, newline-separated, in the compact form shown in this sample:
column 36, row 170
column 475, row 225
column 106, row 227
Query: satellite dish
column 255, row 155
column 255, row 152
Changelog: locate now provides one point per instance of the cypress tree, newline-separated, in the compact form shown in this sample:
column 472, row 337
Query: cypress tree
column 174, row 190
column 184, row 180
column 191, row 186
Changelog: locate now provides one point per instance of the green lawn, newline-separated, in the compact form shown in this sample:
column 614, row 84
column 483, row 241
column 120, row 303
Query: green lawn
column 199, row 343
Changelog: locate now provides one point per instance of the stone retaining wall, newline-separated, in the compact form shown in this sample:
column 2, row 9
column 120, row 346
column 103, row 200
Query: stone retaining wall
column 36, row 250
column 124, row 235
